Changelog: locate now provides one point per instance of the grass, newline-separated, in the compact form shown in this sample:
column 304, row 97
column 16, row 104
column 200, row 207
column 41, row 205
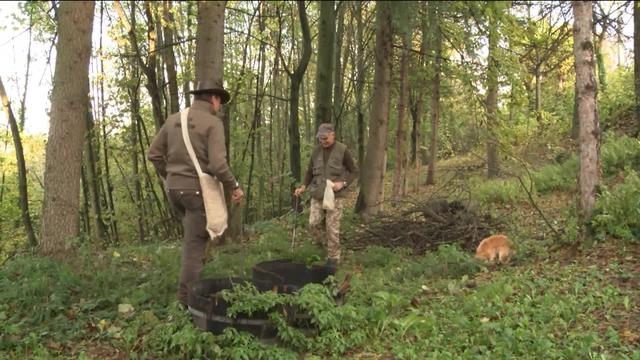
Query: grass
column 440, row 305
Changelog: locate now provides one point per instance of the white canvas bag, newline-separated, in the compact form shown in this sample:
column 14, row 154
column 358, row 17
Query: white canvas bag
column 329, row 200
column 212, row 191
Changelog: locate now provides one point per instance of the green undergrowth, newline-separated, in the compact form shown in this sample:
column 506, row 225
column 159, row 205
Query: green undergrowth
column 441, row 305
column 618, row 154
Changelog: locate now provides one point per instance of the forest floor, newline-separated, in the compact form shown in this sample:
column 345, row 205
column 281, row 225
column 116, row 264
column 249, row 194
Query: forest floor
column 552, row 301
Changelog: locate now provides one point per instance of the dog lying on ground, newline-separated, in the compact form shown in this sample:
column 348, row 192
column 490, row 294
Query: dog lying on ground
column 495, row 246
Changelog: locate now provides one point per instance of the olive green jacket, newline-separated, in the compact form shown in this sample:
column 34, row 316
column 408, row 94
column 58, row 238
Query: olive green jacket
column 169, row 155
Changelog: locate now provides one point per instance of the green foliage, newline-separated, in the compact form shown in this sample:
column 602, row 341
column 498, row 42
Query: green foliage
column 555, row 177
column 496, row 190
column 447, row 262
column 49, row 310
column 246, row 299
column 616, row 103
column 619, row 153
column 617, row 211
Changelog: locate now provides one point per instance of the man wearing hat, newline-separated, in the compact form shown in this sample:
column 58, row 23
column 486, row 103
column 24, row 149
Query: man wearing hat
column 330, row 160
column 169, row 156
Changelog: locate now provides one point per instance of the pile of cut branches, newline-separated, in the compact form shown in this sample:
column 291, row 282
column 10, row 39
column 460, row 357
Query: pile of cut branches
column 426, row 226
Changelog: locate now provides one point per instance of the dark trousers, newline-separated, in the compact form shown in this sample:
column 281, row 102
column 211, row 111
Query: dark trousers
column 190, row 207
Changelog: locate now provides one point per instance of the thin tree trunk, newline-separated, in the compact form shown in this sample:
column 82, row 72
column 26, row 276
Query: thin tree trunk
column 105, row 153
column 368, row 203
column 22, row 168
column 149, row 68
column 538, row 95
column 636, row 62
column 587, row 110
column 402, row 110
column 492, row 101
column 602, row 71
column 138, row 197
column 84, row 209
column 338, row 79
column 66, row 133
column 170, row 57
column 324, row 73
column 100, row 231
column 23, row 101
column 296, row 78
column 189, row 55
column 418, row 107
column 359, row 89
column 435, row 98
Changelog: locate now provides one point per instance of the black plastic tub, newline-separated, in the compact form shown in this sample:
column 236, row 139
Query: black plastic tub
column 287, row 272
column 209, row 309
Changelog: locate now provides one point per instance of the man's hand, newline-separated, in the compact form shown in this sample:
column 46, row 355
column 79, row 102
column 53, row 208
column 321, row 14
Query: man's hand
column 298, row 192
column 237, row 195
column 338, row 185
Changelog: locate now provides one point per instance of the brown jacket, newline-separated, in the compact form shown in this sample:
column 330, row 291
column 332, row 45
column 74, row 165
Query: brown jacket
column 170, row 157
column 334, row 163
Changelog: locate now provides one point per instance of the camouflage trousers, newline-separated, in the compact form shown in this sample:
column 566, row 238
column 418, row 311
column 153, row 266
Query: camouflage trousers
column 329, row 237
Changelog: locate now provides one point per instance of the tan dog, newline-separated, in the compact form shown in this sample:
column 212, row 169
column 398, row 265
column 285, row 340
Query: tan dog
column 495, row 246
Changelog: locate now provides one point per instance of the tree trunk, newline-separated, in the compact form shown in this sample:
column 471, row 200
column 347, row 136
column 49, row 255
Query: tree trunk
column 111, row 212
column 602, row 71
column 338, row 79
column 587, row 110
column 149, row 68
column 210, row 66
column 100, row 231
column 492, row 101
column 575, row 121
column 294, row 96
column 138, row 196
column 23, row 101
column 210, row 41
column 22, row 168
column 368, row 203
column 66, row 132
column 324, row 73
column 359, row 88
column 636, row 62
column 402, row 110
column 435, row 97
column 170, row 57
column 256, row 133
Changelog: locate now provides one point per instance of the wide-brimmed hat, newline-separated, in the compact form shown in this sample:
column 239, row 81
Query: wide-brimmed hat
column 209, row 87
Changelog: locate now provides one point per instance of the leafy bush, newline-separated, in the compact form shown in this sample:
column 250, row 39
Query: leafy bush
column 617, row 211
column 447, row 262
column 496, row 191
column 616, row 102
column 556, row 176
column 618, row 153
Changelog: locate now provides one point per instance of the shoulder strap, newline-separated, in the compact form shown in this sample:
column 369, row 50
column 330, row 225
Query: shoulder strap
column 187, row 141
